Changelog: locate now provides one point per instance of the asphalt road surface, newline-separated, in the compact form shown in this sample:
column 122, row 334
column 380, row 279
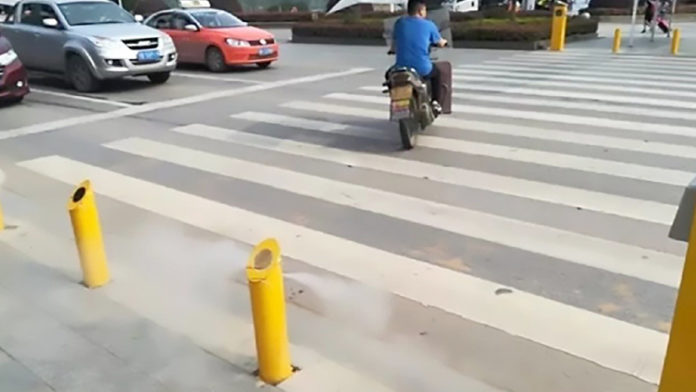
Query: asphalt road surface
column 522, row 243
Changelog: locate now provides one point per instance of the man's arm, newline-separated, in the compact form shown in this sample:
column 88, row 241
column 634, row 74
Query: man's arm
column 435, row 37
column 392, row 49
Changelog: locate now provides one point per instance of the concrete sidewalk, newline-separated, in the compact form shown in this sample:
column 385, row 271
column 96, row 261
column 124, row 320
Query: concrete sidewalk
column 642, row 44
column 151, row 333
column 58, row 336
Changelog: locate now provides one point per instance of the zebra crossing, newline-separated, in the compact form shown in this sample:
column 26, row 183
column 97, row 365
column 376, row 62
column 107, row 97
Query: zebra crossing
column 570, row 135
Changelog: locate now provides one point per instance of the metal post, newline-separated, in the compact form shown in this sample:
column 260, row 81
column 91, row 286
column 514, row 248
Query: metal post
column 88, row 237
column 675, row 42
column 679, row 372
column 265, row 277
column 617, row 41
column 633, row 23
column 558, row 27
column 671, row 14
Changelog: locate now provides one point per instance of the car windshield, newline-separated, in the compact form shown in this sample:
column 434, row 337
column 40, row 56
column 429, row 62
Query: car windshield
column 91, row 13
column 216, row 19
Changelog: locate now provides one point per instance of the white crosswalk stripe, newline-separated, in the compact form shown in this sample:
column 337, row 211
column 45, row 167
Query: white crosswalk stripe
column 574, row 154
column 579, row 85
column 582, row 101
column 618, row 258
column 618, row 75
column 540, row 320
column 638, row 145
column 593, row 165
column 616, row 58
column 596, row 201
column 561, row 93
column 682, row 69
column 585, row 82
column 602, row 54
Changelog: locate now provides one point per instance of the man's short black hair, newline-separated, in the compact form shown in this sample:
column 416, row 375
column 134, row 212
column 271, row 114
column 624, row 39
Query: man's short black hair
column 414, row 5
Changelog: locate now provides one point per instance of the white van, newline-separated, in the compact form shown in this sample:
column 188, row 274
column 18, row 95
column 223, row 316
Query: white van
column 462, row 5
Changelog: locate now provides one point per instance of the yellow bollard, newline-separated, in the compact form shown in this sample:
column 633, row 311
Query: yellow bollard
column 679, row 370
column 265, row 276
column 558, row 27
column 675, row 41
column 85, row 221
column 2, row 220
column 617, row 41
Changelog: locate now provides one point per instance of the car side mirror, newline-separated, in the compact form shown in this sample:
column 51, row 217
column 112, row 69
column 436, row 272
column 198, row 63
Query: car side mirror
column 139, row 18
column 50, row 22
column 191, row 27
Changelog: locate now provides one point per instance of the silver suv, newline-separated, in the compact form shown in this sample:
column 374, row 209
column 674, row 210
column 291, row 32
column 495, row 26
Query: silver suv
column 88, row 41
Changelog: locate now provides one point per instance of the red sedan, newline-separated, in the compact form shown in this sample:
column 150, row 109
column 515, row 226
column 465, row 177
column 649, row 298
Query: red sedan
column 215, row 38
column 13, row 76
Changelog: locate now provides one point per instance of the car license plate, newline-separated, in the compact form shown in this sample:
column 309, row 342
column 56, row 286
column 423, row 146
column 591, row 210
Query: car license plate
column 265, row 52
column 149, row 56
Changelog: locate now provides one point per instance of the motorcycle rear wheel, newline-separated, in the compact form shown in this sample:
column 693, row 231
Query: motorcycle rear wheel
column 408, row 129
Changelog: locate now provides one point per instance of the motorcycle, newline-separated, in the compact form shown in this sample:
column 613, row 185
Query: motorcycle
column 410, row 103
column 410, row 95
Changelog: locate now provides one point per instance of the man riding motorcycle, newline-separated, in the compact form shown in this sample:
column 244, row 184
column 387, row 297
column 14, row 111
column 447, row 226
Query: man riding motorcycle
column 412, row 37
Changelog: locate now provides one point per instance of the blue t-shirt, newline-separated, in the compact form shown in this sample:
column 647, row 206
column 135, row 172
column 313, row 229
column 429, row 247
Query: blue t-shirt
column 413, row 37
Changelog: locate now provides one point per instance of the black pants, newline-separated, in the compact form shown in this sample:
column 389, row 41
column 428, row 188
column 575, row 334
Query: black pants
column 433, row 79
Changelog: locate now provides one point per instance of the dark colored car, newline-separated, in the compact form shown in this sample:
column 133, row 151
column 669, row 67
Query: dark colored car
column 13, row 76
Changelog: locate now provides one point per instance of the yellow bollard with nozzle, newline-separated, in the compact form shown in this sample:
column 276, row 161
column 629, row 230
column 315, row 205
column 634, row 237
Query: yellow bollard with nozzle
column 679, row 370
column 88, row 237
column 265, row 276
column 617, row 41
column 558, row 27
column 676, row 38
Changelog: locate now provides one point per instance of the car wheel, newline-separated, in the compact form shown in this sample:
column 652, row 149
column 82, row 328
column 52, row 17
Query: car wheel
column 159, row 77
column 81, row 76
column 214, row 60
column 264, row 65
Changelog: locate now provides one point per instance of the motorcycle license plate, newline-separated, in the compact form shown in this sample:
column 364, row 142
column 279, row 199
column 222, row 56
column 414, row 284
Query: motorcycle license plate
column 149, row 56
column 400, row 110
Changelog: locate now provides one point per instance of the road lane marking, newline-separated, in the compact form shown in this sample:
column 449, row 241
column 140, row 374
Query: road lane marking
column 578, row 105
column 645, row 210
column 569, row 70
column 624, row 90
column 314, row 125
column 616, row 58
column 149, row 107
column 581, row 95
column 592, row 82
column 644, row 264
column 597, row 67
column 552, row 159
column 610, row 343
column 216, row 78
column 81, row 98
column 588, row 139
column 592, row 63
column 550, row 92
